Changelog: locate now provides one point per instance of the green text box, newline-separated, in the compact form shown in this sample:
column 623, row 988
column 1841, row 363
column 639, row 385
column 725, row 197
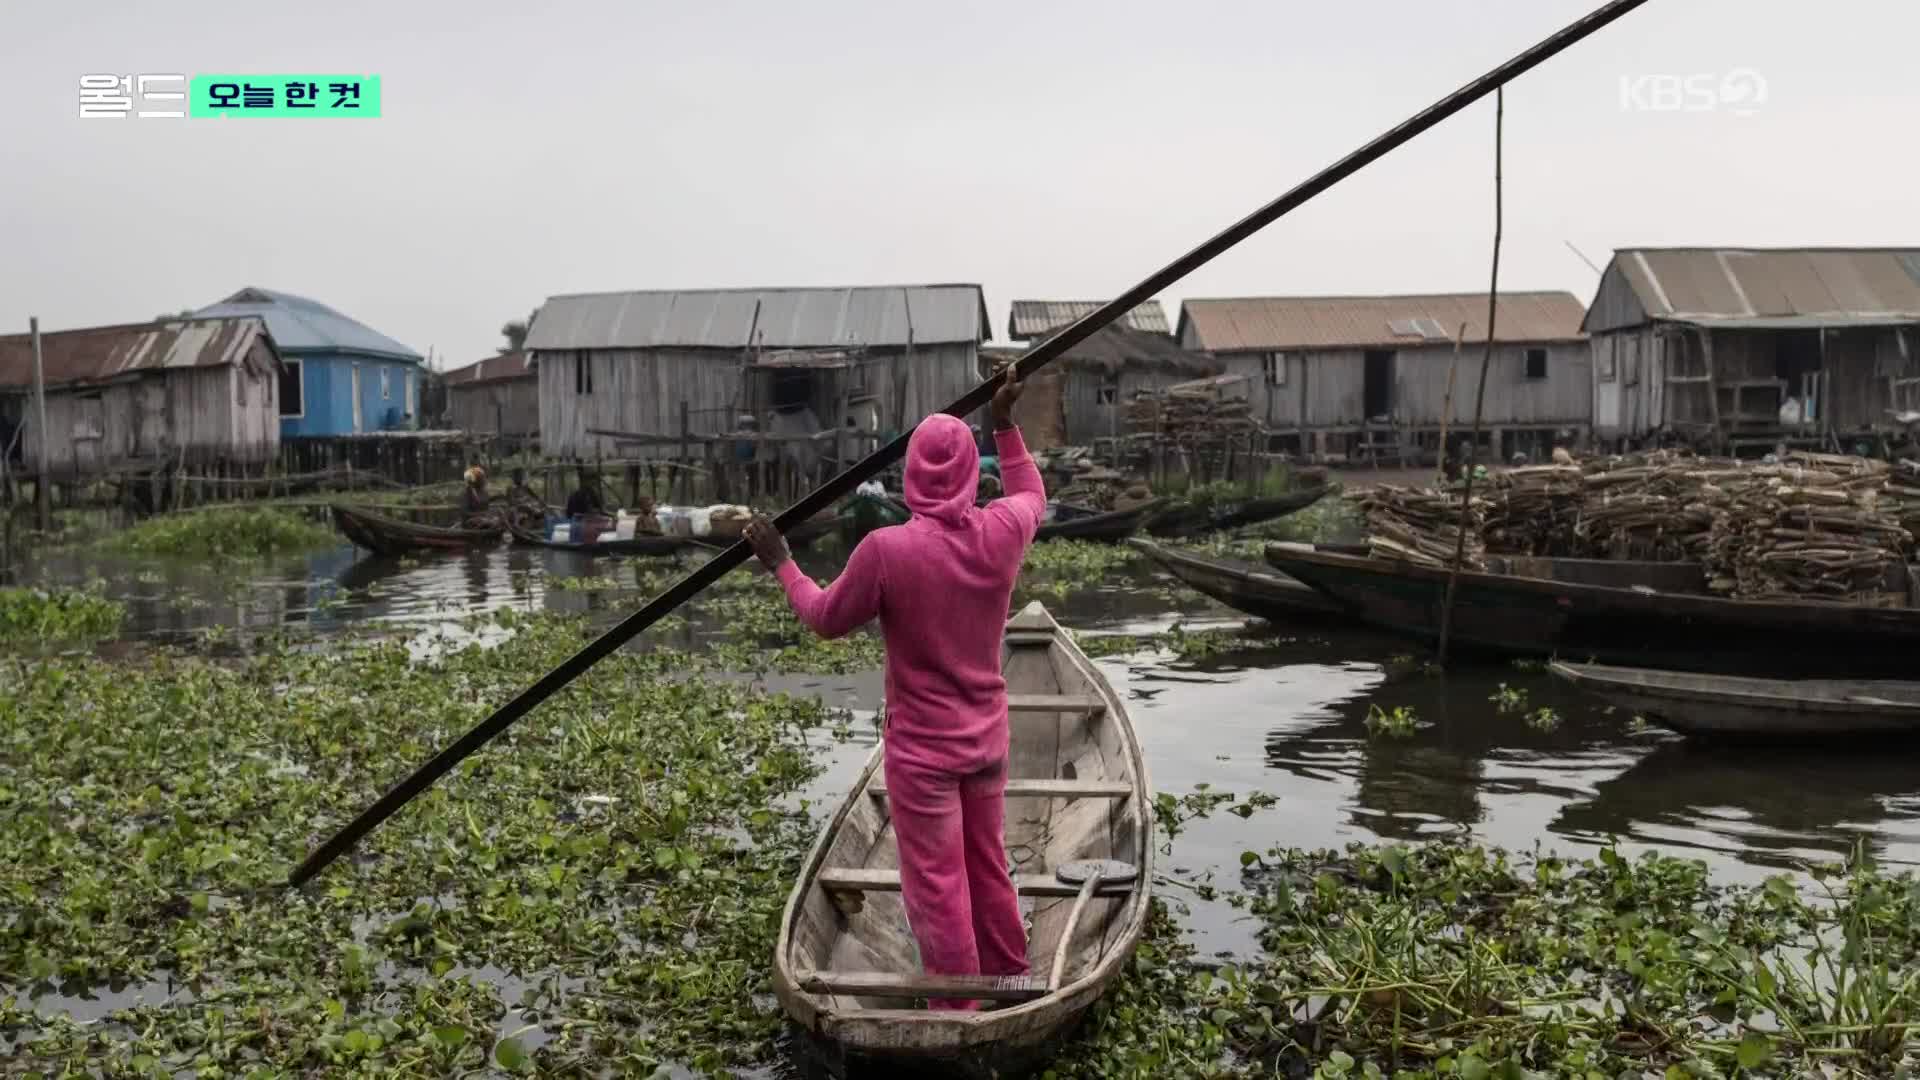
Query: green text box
column 285, row 95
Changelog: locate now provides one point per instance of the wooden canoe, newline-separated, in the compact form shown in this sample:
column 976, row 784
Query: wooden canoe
column 846, row 968
column 384, row 535
column 861, row 514
column 802, row 536
column 1109, row 527
column 1187, row 520
column 640, row 544
column 1734, row 707
column 1261, row 593
column 1628, row 613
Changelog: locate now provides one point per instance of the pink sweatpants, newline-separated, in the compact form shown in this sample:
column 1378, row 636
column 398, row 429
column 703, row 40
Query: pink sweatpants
column 959, row 897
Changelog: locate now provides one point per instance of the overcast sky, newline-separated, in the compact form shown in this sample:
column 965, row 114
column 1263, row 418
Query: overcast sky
column 1041, row 149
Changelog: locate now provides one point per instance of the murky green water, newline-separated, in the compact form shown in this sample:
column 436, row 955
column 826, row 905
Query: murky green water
column 1287, row 719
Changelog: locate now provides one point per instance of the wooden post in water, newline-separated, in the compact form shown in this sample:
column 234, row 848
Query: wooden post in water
column 686, row 480
column 42, row 491
column 1446, row 403
column 1480, row 396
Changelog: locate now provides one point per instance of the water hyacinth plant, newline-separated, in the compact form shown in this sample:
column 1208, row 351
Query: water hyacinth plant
column 227, row 532
column 151, row 812
column 36, row 617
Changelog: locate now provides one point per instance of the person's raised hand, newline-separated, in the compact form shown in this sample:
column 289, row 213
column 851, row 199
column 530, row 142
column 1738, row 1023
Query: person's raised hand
column 1003, row 398
column 767, row 543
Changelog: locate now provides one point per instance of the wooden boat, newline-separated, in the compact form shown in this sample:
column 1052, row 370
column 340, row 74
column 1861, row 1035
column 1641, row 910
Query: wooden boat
column 1109, row 527
column 846, row 967
column 802, row 536
column 1645, row 614
column 1730, row 706
column 640, row 544
column 1188, row 520
column 1264, row 594
column 384, row 535
column 861, row 514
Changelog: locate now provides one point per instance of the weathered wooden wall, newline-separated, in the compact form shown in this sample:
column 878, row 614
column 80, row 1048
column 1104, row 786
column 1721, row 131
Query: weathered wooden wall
column 225, row 415
column 498, row 407
column 1324, row 391
column 640, row 391
column 1087, row 417
column 1629, row 382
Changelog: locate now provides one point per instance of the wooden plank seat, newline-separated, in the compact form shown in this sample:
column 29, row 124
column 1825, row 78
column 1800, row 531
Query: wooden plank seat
column 849, row 879
column 1049, row 789
column 888, row 984
column 1054, row 703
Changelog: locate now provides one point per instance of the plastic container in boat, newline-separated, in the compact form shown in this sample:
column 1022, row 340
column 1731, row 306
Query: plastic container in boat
column 702, row 519
column 562, row 533
column 624, row 526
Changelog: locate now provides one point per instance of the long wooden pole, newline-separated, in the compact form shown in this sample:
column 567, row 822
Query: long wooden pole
column 1446, row 401
column 1480, row 395
column 1034, row 360
column 42, row 494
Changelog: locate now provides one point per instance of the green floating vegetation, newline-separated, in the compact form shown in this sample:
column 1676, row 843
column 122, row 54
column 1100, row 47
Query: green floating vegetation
column 227, row 532
column 619, row 859
column 30, row 617
column 1457, row 961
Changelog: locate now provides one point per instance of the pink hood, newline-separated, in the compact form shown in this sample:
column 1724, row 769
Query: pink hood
column 943, row 469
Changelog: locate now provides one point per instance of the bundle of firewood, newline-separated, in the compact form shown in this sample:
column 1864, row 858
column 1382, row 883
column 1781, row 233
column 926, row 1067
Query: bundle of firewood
column 1812, row 525
column 1533, row 510
column 1654, row 506
column 1191, row 412
column 1421, row 526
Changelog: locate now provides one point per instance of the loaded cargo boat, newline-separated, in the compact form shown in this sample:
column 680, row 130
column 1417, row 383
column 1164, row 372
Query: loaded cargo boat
column 1653, row 614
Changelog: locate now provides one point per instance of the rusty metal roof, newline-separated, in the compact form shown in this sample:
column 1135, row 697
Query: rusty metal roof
column 1365, row 322
column 1771, row 288
column 792, row 318
column 104, row 353
column 507, row 365
column 1030, row 319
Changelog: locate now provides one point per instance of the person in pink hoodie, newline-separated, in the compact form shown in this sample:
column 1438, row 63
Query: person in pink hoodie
column 940, row 586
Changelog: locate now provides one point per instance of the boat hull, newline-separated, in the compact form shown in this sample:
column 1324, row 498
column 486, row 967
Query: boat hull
column 1252, row 590
column 1078, row 789
column 1754, row 708
column 1178, row 521
column 383, row 535
column 643, row 545
column 1111, row 527
column 1644, row 626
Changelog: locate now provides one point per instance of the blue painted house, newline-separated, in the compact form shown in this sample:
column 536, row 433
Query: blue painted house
column 337, row 377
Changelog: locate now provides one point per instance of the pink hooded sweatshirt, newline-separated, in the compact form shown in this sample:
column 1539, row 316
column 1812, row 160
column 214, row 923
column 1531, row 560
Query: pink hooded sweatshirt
column 940, row 586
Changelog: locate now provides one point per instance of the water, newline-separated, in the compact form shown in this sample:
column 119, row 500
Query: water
column 1286, row 718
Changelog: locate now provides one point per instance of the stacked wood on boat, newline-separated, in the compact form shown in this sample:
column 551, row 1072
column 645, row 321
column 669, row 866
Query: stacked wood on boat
column 1652, row 506
column 1421, row 525
column 1812, row 526
column 1534, row 510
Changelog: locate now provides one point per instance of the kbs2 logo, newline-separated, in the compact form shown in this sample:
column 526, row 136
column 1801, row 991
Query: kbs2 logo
column 1741, row 92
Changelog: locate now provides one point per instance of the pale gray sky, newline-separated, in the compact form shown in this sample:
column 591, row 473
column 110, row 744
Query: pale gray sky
column 1055, row 150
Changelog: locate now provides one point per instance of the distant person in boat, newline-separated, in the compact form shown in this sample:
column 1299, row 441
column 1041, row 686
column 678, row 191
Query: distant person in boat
column 585, row 500
column 473, row 499
column 940, row 586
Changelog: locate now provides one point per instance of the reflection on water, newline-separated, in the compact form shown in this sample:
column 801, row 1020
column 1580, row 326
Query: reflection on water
column 1285, row 716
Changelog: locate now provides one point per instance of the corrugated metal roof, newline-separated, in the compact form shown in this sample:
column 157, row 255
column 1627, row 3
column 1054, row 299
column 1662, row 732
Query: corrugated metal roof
column 302, row 325
column 1114, row 348
column 101, row 353
column 1337, row 322
column 873, row 316
column 507, row 365
column 1811, row 287
column 1036, row 318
